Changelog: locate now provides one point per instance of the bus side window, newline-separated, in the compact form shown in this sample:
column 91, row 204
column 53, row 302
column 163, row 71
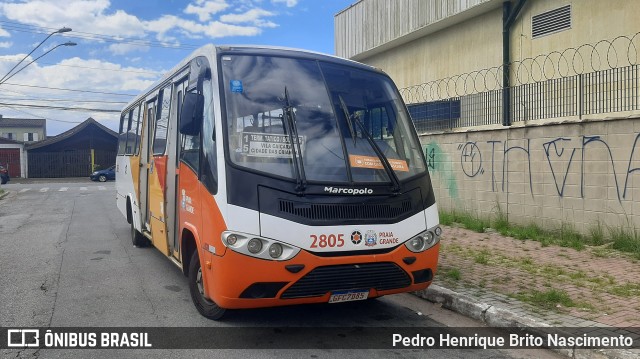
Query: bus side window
column 137, row 118
column 133, row 118
column 208, row 133
column 162, row 121
column 190, row 151
column 122, row 137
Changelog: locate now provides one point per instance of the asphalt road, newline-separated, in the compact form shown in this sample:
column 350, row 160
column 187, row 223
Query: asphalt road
column 66, row 260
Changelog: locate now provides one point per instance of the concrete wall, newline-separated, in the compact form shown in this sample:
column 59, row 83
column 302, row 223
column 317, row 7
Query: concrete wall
column 426, row 40
column 577, row 173
column 475, row 44
column 19, row 132
column 592, row 20
column 370, row 25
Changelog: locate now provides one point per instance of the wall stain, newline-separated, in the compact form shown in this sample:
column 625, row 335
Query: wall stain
column 440, row 164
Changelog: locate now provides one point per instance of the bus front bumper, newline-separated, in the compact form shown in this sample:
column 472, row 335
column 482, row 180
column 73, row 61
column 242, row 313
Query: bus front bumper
column 237, row 281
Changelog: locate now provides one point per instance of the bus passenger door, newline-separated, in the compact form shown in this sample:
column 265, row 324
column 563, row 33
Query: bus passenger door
column 158, row 172
column 145, row 162
column 173, row 172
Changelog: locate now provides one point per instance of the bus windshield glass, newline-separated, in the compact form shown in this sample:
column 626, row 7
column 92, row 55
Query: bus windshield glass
column 349, row 124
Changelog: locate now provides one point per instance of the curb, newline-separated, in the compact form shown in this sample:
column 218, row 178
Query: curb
column 500, row 317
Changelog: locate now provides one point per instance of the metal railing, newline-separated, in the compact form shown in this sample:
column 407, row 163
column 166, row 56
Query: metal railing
column 579, row 81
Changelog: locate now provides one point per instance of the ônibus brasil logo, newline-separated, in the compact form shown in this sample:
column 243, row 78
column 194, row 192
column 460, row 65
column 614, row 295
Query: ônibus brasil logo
column 354, row 191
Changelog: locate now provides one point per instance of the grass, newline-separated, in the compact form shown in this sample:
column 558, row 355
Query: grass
column 626, row 290
column 473, row 223
column 625, row 239
column 453, row 273
column 482, row 257
column 548, row 299
column 596, row 234
column 622, row 238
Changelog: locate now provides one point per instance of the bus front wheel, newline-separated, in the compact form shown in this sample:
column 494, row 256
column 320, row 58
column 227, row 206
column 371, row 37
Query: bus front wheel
column 205, row 306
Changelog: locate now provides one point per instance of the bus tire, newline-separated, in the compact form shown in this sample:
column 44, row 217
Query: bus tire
column 206, row 307
column 137, row 238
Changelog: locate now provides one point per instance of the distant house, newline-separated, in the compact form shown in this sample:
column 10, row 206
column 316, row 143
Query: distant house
column 74, row 153
column 27, row 130
column 13, row 158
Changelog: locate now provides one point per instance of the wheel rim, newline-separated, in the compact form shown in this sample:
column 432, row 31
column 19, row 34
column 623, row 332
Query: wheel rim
column 199, row 282
column 200, row 286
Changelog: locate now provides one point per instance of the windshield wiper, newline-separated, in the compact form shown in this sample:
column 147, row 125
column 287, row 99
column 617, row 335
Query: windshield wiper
column 296, row 153
column 347, row 115
column 385, row 163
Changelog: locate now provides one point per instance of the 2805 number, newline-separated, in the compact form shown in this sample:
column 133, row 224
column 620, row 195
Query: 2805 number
column 324, row 241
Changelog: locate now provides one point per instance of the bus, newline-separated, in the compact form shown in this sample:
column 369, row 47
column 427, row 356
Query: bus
column 274, row 176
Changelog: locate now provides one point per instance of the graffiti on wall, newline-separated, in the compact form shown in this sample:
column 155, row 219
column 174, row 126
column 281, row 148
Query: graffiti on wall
column 494, row 157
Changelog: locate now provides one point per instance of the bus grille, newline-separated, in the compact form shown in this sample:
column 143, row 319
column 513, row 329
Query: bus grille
column 381, row 276
column 348, row 211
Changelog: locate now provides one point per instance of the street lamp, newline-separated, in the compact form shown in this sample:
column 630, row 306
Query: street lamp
column 68, row 43
column 59, row 31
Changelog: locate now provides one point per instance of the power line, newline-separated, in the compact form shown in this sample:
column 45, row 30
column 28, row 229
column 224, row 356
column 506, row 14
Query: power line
column 61, row 108
column 93, row 36
column 34, row 115
column 72, row 90
column 60, row 100
column 96, row 68
column 52, row 99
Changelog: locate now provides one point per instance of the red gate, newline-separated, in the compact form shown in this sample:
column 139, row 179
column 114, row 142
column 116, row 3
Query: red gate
column 10, row 159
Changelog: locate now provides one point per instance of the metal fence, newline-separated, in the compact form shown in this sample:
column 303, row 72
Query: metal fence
column 590, row 79
column 70, row 163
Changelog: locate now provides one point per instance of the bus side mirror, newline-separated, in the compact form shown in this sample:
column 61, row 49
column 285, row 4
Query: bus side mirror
column 191, row 114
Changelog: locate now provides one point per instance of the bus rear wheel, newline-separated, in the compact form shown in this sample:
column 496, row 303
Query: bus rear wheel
column 206, row 307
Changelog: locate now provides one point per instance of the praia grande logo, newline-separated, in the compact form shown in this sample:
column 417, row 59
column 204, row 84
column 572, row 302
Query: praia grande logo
column 370, row 238
column 353, row 191
column 186, row 202
column 356, row 237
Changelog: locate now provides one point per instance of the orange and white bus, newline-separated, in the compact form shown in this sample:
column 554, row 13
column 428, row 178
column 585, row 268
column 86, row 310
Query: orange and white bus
column 276, row 176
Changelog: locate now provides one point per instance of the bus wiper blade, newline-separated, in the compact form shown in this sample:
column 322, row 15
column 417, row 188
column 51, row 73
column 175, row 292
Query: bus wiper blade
column 385, row 162
column 347, row 115
column 296, row 153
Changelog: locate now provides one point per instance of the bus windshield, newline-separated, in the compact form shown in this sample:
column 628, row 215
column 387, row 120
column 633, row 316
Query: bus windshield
column 349, row 124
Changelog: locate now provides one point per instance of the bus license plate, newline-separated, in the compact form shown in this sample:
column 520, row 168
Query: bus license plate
column 348, row 296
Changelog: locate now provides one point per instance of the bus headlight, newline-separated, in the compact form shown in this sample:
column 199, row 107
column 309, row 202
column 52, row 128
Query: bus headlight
column 416, row 244
column 428, row 237
column 424, row 240
column 232, row 239
column 254, row 246
column 438, row 231
column 275, row 250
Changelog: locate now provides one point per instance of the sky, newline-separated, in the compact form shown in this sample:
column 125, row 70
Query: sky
column 123, row 46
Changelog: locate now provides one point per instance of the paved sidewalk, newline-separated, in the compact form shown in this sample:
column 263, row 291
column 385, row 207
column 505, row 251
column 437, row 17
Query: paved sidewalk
column 554, row 286
column 19, row 180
